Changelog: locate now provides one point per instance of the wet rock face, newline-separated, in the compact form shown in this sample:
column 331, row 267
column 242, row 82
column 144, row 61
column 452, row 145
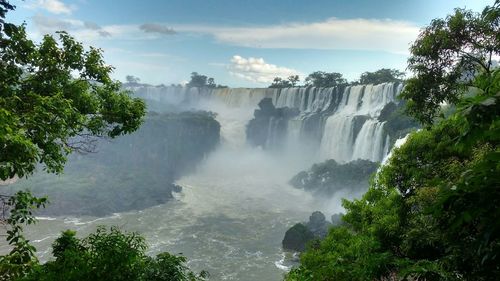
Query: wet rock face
column 297, row 237
column 269, row 126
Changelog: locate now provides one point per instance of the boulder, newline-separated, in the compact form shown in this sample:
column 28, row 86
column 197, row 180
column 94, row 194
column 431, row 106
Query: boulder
column 297, row 237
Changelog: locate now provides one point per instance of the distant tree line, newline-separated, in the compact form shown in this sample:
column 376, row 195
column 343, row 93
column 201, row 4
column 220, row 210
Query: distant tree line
column 197, row 80
column 332, row 79
column 316, row 79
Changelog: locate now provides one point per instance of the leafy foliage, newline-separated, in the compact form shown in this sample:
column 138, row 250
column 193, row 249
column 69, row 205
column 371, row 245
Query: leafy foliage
column 325, row 79
column 20, row 211
column 430, row 213
column 46, row 113
column 446, row 58
column 290, row 82
column 132, row 80
column 55, row 97
column 110, row 255
column 381, row 76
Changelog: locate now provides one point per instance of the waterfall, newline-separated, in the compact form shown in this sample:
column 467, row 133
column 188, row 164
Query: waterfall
column 338, row 138
column 370, row 142
column 340, row 122
column 353, row 131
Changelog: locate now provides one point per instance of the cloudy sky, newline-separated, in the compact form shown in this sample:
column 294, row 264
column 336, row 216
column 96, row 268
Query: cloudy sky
column 240, row 42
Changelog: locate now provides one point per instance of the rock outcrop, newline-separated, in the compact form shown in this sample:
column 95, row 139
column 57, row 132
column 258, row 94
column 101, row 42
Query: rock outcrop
column 329, row 177
column 269, row 127
column 297, row 237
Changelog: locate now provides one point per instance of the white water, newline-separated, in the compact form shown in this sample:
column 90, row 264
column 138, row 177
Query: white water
column 370, row 143
column 231, row 215
column 340, row 140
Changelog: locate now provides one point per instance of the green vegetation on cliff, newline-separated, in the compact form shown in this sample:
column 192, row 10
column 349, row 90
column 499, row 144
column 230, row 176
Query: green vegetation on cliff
column 398, row 123
column 130, row 173
column 431, row 212
column 330, row 177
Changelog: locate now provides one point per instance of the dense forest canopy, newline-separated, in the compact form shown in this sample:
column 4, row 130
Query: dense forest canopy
column 381, row 76
column 322, row 79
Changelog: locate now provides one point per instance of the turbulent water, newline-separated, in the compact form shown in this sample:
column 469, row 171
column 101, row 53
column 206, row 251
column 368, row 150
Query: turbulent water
column 226, row 222
column 234, row 210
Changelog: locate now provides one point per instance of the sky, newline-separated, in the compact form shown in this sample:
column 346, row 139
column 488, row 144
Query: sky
column 240, row 43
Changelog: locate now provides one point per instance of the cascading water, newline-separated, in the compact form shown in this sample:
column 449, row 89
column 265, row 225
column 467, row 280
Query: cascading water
column 344, row 120
column 343, row 139
column 370, row 142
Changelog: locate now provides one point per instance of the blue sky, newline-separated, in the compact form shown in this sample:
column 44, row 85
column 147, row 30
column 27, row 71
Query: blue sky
column 240, row 43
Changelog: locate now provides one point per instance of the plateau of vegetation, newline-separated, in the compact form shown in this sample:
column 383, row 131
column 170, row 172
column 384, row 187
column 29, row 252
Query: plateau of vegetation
column 144, row 165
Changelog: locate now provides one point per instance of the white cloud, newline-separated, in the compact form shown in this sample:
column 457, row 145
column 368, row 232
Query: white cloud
column 81, row 30
column 257, row 70
column 53, row 6
column 332, row 34
column 49, row 25
column 157, row 28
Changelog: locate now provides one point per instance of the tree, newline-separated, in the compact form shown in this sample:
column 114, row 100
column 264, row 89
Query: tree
column 447, row 56
column 197, row 80
column 202, row 81
column 290, row 82
column 110, row 254
column 55, row 98
column 211, row 83
column 325, row 79
column 132, row 79
column 20, row 211
column 294, row 79
column 280, row 83
column 381, row 76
